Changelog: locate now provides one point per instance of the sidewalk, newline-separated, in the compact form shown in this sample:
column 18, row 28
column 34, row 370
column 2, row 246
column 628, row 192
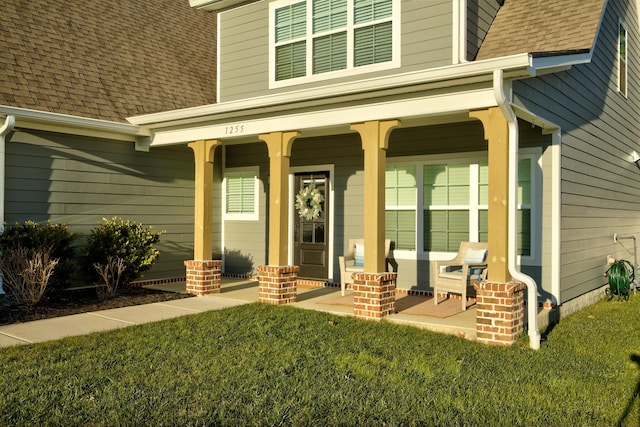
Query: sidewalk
column 86, row 323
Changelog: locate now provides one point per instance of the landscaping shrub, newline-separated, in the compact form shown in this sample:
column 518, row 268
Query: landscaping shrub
column 130, row 241
column 42, row 236
column 26, row 272
column 110, row 272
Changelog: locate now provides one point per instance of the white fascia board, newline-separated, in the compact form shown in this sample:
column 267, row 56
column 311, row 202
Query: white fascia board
column 546, row 64
column 42, row 120
column 332, row 118
column 214, row 5
column 519, row 65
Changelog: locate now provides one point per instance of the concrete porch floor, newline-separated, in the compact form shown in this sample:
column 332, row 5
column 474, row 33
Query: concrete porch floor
column 462, row 324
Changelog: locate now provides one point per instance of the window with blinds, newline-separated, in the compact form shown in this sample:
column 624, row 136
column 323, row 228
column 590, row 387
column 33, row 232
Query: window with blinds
column 446, row 200
column 240, row 188
column 314, row 37
column 400, row 197
column 432, row 206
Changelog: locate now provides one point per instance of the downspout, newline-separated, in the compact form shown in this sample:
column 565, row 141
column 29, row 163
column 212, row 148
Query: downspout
column 7, row 126
column 532, row 287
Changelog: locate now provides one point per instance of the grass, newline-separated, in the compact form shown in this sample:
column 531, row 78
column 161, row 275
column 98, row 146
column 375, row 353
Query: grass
column 264, row 365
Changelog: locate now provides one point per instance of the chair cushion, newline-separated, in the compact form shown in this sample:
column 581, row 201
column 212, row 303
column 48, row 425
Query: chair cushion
column 472, row 274
column 359, row 257
column 475, row 256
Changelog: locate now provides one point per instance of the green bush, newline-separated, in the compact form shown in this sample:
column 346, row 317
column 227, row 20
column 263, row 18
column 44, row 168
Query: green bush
column 41, row 236
column 127, row 240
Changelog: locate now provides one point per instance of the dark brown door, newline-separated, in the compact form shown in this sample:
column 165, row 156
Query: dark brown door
column 310, row 235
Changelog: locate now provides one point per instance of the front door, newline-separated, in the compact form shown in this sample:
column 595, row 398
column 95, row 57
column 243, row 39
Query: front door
column 310, row 233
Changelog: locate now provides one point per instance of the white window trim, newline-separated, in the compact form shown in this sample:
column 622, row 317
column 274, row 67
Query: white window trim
column 473, row 158
column 623, row 91
column 350, row 70
column 255, row 215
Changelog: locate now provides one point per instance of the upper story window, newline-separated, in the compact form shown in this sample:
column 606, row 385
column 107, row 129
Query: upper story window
column 317, row 39
column 622, row 59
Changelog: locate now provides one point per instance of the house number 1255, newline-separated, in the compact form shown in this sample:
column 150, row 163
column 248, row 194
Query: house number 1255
column 233, row 129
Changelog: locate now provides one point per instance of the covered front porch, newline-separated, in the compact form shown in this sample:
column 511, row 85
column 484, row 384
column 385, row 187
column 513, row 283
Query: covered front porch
column 350, row 143
column 499, row 319
column 412, row 310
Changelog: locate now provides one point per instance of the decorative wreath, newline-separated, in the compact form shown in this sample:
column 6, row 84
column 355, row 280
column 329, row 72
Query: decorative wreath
column 308, row 202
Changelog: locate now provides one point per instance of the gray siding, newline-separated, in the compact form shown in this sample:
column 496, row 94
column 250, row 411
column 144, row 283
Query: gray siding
column 243, row 48
column 480, row 15
column 245, row 242
column 600, row 185
column 79, row 181
column 243, row 52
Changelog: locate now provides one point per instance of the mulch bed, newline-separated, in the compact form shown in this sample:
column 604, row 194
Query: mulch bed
column 64, row 303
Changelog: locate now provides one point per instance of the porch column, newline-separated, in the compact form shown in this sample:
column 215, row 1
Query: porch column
column 374, row 289
column 500, row 301
column 496, row 132
column 203, row 273
column 277, row 281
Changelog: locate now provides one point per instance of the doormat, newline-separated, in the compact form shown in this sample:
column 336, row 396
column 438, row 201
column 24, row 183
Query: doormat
column 414, row 305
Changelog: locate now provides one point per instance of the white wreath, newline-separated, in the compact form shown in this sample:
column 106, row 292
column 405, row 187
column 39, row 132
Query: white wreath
column 308, row 202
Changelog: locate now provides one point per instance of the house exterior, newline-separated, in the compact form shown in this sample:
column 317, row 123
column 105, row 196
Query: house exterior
column 70, row 77
column 426, row 123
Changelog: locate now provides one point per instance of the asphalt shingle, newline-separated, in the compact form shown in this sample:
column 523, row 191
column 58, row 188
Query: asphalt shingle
column 542, row 27
column 106, row 60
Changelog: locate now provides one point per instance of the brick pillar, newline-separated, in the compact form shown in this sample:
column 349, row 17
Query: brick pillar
column 277, row 285
column 500, row 312
column 374, row 295
column 203, row 277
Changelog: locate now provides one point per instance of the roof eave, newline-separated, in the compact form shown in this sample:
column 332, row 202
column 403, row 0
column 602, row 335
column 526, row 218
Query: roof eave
column 214, row 5
column 552, row 62
column 516, row 66
column 64, row 123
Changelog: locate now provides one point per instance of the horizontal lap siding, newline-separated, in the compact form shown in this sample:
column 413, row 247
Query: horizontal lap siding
column 426, row 39
column 243, row 52
column 480, row 15
column 79, row 181
column 246, row 242
column 427, row 34
column 600, row 185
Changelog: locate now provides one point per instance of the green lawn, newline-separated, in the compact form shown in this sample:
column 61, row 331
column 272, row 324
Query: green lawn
column 264, row 365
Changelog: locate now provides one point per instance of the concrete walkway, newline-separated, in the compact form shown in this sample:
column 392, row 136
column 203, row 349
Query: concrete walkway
column 234, row 292
column 86, row 323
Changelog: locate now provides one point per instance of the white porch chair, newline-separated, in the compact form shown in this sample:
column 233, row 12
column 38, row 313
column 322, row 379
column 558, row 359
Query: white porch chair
column 458, row 274
column 353, row 260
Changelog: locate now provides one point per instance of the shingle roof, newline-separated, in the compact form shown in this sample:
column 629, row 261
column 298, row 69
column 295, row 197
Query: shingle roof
column 534, row 26
column 106, row 59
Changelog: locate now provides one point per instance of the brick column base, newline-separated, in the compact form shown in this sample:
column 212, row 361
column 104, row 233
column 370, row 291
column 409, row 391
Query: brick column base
column 500, row 312
column 203, row 277
column 277, row 285
column 374, row 295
